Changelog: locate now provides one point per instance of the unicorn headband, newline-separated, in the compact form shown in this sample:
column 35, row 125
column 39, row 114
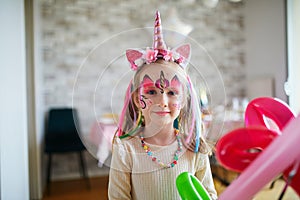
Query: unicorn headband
column 180, row 55
column 138, row 57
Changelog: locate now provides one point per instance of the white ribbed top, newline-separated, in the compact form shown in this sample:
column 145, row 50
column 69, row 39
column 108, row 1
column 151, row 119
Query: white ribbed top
column 133, row 175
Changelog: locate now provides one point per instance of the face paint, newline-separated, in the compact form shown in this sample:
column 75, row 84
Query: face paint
column 175, row 83
column 162, row 83
column 144, row 101
column 177, row 105
column 177, row 88
column 147, row 82
column 149, row 91
column 146, row 86
column 160, row 91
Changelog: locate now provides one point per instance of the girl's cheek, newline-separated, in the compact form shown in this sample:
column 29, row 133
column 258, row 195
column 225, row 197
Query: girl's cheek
column 177, row 105
column 145, row 103
column 149, row 102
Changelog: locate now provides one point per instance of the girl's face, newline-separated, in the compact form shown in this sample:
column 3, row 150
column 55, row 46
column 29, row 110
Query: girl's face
column 160, row 93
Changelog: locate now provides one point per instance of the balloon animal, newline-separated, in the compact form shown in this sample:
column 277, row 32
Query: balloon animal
column 261, row 151
column 190, row 188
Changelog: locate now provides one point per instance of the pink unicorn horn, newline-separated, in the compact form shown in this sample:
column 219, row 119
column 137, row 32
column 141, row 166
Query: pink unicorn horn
column 158, row 40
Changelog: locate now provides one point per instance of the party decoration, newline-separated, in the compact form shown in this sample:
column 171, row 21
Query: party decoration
column 190, row 188
column 278, row 111
column 237, row 149
column 263, row 149
column 279, row 155
column 138, row 57
column 273, row 108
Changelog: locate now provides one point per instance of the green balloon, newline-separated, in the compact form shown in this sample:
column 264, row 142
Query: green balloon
column 190, row 188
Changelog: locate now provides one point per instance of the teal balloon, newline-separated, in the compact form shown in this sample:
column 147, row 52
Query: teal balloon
column 190, row 188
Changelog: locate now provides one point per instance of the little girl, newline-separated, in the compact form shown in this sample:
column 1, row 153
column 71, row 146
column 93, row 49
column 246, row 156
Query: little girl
column 159, row 134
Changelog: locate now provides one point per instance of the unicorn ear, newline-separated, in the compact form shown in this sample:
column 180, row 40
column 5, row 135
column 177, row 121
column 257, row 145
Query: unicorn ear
column 185, row 51
column 133, row 55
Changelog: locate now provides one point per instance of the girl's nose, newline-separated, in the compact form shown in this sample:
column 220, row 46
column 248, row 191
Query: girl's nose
column 163, row 100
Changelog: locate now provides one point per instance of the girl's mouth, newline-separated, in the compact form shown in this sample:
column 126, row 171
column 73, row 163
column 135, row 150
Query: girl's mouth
column 162, row 113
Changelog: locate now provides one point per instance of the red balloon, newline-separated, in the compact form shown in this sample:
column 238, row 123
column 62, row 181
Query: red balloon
column 280, row 113
column 273, row 108
column 265, row 118
column 282, row 152
column 237, row 149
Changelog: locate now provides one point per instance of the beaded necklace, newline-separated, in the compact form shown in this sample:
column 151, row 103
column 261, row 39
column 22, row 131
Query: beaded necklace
column 155, row 159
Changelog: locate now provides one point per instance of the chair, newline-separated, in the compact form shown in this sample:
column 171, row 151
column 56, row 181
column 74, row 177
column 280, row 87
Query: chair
column 62, row 137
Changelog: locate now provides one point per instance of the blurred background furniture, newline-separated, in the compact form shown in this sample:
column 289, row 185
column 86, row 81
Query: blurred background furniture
column 62, row 136
column 102, row 134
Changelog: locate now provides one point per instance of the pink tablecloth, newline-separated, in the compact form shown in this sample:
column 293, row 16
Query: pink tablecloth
column 102, row 135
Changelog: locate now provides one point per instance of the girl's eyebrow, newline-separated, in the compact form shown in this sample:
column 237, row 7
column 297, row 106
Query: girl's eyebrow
column 174, row 88
column 147, row 88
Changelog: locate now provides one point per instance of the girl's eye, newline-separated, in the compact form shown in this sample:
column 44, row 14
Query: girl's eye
column 172, row 93
column 151, row 92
